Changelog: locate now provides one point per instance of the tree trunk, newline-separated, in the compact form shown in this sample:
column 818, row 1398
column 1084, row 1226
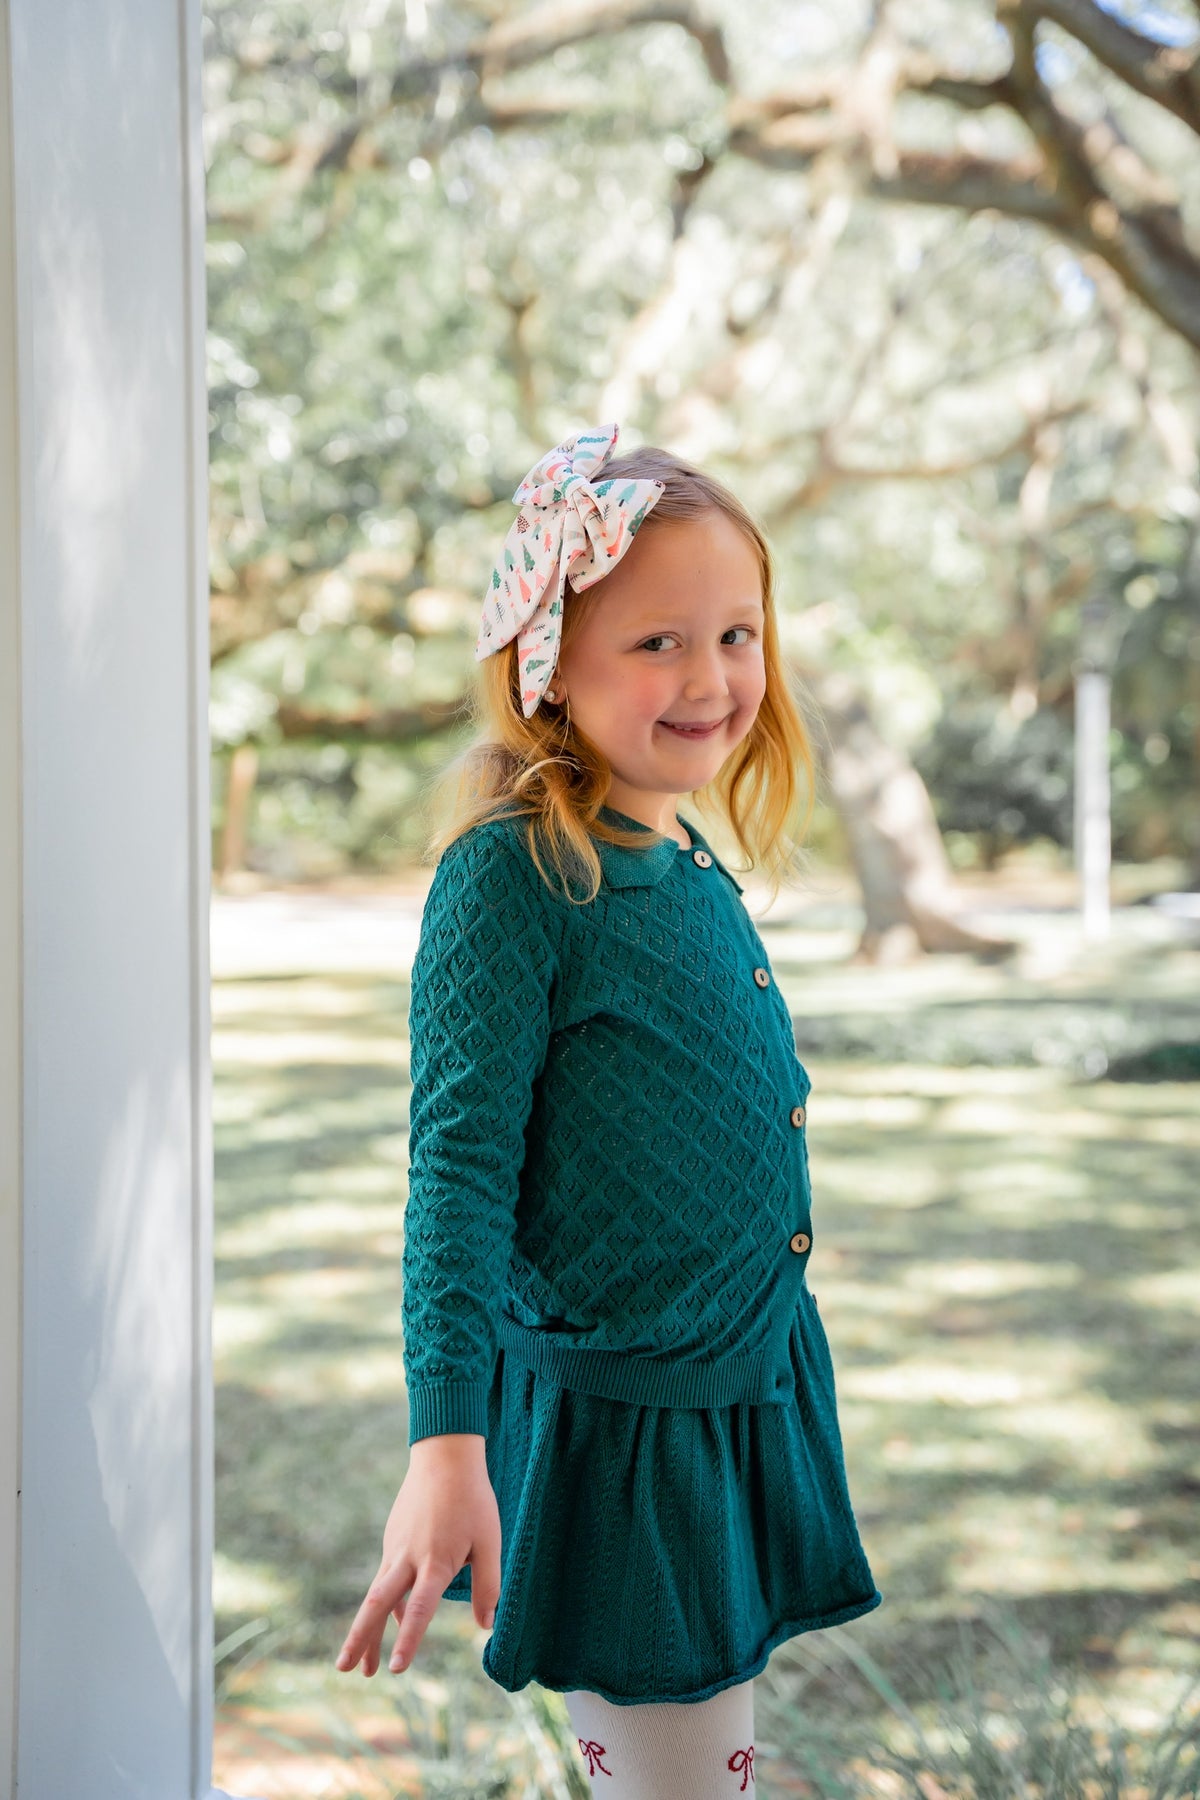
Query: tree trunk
column 894, row 841
column 243, row 773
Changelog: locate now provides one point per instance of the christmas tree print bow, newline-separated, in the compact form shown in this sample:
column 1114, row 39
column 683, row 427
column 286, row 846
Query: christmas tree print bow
column 568, row 526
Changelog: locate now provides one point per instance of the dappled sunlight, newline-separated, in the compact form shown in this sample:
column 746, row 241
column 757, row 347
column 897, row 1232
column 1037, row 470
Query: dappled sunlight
column 1051, row 1548
column 1170, row 1287
column 365, row 1373
column 952, row 1383
column 987, row 1278
column 250, row 1048
column 867, row 1108
column 1086, row 1432
column 325, row 1224
column 309, row 1290
column 249, row 1587
column 958, row 1455
column 933, row 1079
column 237, row 1326
column 1007, row 1269
column 1068, row 1118
column 319, row 997
column 1011, row 1171
column 1008, row 1273
column 858, row 1176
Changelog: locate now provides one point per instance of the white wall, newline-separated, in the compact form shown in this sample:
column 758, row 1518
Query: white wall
column 104, row 1131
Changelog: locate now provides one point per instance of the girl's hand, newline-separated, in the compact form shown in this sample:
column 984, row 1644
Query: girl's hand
column 444, row 1515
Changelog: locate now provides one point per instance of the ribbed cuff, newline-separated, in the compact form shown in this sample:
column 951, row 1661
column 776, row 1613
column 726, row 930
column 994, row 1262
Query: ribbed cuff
column 447, row 1406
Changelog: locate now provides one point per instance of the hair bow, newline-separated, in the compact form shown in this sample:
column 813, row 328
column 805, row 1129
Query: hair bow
column 568, row 526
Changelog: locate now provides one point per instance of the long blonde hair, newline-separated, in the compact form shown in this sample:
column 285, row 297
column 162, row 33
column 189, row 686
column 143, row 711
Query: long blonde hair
column 547, row 771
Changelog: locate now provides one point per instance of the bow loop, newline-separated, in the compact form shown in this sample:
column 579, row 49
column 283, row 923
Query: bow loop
column 567, row 527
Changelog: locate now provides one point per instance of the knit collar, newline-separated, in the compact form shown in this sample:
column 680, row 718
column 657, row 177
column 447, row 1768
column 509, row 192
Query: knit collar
column 641, row 868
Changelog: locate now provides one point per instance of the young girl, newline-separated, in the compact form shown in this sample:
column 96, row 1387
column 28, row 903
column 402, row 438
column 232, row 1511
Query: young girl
column 625, row 1449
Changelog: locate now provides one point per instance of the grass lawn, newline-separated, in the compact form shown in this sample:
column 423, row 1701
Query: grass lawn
column 1008, row 1264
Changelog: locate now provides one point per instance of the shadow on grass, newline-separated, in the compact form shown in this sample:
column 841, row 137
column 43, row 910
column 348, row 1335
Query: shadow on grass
column 1009, row 1276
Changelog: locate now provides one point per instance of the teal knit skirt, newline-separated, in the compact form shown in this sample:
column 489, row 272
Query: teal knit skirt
column 657, row 1553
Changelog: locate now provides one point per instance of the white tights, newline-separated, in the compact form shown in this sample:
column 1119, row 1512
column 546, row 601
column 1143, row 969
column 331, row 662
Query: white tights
column 668, row 1750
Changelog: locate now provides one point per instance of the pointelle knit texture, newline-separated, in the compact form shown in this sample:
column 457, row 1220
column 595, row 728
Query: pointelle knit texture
column 607, row 1234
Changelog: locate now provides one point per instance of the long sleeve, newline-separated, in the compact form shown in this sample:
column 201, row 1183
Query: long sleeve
column 483, row 978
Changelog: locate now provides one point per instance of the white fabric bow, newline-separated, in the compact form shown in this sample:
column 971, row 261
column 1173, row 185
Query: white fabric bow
column 568, row 526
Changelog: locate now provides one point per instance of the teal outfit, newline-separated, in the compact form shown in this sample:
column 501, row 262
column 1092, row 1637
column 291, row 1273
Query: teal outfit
column 607, row 1235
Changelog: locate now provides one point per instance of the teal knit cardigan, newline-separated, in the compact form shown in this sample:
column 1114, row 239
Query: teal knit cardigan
column 608, row 1173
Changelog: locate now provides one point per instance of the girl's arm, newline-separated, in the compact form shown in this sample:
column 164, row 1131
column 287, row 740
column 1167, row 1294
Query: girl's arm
column 479, row 1021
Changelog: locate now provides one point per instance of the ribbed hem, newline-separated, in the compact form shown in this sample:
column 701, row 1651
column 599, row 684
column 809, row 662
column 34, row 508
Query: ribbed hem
column 447, row 1406
column 760, row 1376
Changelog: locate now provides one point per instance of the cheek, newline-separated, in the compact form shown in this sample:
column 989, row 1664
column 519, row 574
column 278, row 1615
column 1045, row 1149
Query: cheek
column 749, row 695
column 646, row 692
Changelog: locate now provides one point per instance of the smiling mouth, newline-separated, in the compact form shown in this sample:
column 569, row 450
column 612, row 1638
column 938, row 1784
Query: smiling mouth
column 692, row 731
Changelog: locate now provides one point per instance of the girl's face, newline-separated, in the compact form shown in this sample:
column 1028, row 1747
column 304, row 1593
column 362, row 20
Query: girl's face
column 673, row 638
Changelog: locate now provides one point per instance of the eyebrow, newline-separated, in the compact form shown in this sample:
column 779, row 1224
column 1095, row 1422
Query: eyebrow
column 754, row 607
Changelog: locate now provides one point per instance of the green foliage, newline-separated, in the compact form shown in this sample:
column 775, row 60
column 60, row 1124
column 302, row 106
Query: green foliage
column 998, row 1718
column 321, row 809
column 409, row 302
column 1033, row 1031
column 1004, row 781
column 1156, row 702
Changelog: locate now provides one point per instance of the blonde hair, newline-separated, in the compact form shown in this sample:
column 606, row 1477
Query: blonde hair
column 545, row 770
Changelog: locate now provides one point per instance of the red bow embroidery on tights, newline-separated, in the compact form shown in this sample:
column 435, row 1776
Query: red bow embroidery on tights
column 593, row 1752
column 743, row 1760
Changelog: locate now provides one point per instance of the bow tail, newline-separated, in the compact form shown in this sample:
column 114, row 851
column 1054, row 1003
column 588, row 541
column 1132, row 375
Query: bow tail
column 537, row 646
column 518, row 580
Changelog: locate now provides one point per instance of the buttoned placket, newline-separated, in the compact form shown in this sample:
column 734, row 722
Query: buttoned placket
column 623, row 868
column 800, row 1240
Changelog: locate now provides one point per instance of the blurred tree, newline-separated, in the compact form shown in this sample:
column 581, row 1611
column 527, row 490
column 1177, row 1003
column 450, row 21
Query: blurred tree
column 893, row 837
column 1000, row 780
column 1157, row 694
column 880, row 295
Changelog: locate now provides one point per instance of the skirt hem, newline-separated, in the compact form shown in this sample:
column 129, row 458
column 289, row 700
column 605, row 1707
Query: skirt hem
column 758, row 1662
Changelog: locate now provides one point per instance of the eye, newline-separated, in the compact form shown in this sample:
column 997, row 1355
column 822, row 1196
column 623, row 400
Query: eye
column 661, row 637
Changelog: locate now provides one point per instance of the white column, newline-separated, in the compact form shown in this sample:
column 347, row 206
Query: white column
column 105, row 1630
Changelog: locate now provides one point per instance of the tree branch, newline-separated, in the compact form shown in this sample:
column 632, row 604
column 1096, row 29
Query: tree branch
column 367, row 724
column 1168, row 74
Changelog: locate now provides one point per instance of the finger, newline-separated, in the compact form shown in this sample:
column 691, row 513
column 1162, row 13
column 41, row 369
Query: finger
column 388, row 1593
column 485, row 1577
column 419, row 1608
column 365, row 1637
column 356, row 1641
column 398, row 1615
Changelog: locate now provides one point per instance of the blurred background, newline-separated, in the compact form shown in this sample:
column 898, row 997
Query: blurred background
column 921, row 282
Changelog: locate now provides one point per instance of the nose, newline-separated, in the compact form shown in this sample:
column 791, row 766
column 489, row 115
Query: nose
column 704, row 676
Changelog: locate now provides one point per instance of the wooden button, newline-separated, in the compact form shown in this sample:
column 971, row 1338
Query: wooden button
column 798, row 1115
column 701, row 858
column 799, row 1242
column 763, row 977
